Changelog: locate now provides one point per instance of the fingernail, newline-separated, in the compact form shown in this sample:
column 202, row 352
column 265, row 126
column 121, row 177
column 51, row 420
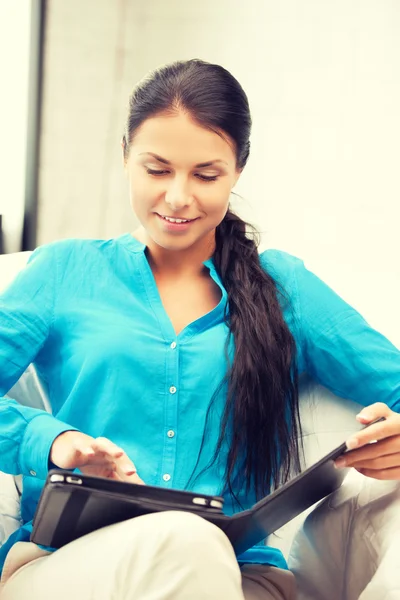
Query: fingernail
column 352, row 443
column 363, row 417
column 340, row 462
column 129, row 470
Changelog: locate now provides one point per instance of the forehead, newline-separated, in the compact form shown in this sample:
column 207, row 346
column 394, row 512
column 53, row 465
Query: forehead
column 179, row 139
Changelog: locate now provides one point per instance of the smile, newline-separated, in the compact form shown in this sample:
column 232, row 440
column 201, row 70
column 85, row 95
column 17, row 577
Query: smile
column 172, row 220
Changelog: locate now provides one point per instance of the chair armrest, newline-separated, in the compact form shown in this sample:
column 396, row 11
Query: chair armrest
column 30, row 391
column 10, row 515
column 326, row 421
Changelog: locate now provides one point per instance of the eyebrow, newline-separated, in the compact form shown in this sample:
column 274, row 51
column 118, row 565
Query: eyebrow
column 199, row 166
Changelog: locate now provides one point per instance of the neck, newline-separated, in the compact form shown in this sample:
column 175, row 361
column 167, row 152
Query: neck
column 187, row 262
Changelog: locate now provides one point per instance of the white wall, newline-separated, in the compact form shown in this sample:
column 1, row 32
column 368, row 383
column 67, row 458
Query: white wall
column 14, row 62
column 323, row 79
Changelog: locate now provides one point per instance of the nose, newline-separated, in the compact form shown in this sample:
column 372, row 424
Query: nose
column 178, row 195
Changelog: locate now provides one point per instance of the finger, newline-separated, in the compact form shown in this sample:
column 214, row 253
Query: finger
column 127, row 479
column 104, row 445
column 83, row 448
column 372, row 450
column 373, row 412
column 99, row 459
column 124, row 464
column 383, row 475
column 384, row 429
column 99, row 471
column 133, row 479
column 114, row 475
column 117, row 475
column 102, row 460
column 81, row 453
column 127, row 474
column 381, row 462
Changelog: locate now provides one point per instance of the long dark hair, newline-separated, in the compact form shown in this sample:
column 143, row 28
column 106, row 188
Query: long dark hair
column 261, row 414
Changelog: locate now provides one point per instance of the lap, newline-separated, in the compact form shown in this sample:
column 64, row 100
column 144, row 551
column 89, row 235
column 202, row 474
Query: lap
column 262, row 582
column 348, row 545
column 153, row 552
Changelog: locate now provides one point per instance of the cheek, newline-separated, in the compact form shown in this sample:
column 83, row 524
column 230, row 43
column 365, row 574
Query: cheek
column 142, row 193
column 215, row 199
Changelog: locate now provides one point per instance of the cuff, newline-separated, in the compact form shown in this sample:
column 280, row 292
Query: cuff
column 39, row 436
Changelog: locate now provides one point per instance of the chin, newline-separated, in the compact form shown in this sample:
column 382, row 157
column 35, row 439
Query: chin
column 169, row 242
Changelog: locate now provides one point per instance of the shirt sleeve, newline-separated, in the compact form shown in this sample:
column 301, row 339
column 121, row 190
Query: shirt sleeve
column 26, row 316
column 341, row 350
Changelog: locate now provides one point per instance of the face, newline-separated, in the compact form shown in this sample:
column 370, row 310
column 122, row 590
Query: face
column 180, row 170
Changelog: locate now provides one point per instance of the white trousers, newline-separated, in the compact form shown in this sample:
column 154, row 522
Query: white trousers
column 349, row 546
column 164, row 556
column 348, row 549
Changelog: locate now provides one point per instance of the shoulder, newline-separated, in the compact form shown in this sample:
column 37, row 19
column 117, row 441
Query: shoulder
column 73, row 249
column 70, row 258
column 282, row 266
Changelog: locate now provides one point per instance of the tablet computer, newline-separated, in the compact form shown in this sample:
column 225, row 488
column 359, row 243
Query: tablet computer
column 73, row 504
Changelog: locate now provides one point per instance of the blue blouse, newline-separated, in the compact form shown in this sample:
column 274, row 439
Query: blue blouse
column 89, row 315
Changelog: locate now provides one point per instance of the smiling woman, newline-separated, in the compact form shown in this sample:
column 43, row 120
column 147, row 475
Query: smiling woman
column 179, row 170
column 172, row 357
column 184, row 148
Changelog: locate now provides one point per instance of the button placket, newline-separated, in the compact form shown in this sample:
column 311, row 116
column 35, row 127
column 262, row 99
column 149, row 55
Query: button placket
column 172, row 350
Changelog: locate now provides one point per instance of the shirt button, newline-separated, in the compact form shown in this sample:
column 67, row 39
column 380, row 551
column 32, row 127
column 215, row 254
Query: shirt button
column 33, row 473
column 173, row 345
column 171, row 433
column 172, row 389
column 166, row 477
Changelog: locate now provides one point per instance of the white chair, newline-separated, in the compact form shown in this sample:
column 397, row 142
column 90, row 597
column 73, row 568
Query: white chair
column 326, row 422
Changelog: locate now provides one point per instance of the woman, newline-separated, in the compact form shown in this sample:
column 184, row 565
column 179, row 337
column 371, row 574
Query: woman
column 172, row 358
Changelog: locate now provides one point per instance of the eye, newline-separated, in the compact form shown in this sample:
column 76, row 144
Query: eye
column 155, row 172
column 207, row 178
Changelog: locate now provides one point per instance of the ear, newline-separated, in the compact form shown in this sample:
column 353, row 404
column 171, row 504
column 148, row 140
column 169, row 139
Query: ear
column 237, row 176
column 123, row 143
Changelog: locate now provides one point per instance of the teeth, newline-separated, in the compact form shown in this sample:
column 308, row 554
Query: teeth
column 176, row 220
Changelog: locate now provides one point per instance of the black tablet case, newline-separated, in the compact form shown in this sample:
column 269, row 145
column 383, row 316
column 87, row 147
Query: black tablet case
column 68, row 509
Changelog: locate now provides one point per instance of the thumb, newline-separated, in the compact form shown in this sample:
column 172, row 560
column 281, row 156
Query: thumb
column 373, row 412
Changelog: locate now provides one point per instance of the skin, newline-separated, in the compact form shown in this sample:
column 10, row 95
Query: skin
column 380, row 460
column 178, row 190
column 93, row 456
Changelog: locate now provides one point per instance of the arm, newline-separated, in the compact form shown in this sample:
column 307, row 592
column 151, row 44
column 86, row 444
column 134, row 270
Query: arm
column 355, row 361
column 26, row 315
column 341, row 351
column 27, row 435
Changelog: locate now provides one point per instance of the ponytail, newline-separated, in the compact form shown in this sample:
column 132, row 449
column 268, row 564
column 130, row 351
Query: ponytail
column 262, row 403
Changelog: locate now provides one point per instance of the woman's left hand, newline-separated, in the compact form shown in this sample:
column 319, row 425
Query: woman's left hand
column 380, row 460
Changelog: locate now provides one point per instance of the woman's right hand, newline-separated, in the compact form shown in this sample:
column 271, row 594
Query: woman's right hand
column 92, row 456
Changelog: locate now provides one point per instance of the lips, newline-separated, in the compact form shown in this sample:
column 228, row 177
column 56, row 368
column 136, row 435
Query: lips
column 181, row 219
column 174, row 227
